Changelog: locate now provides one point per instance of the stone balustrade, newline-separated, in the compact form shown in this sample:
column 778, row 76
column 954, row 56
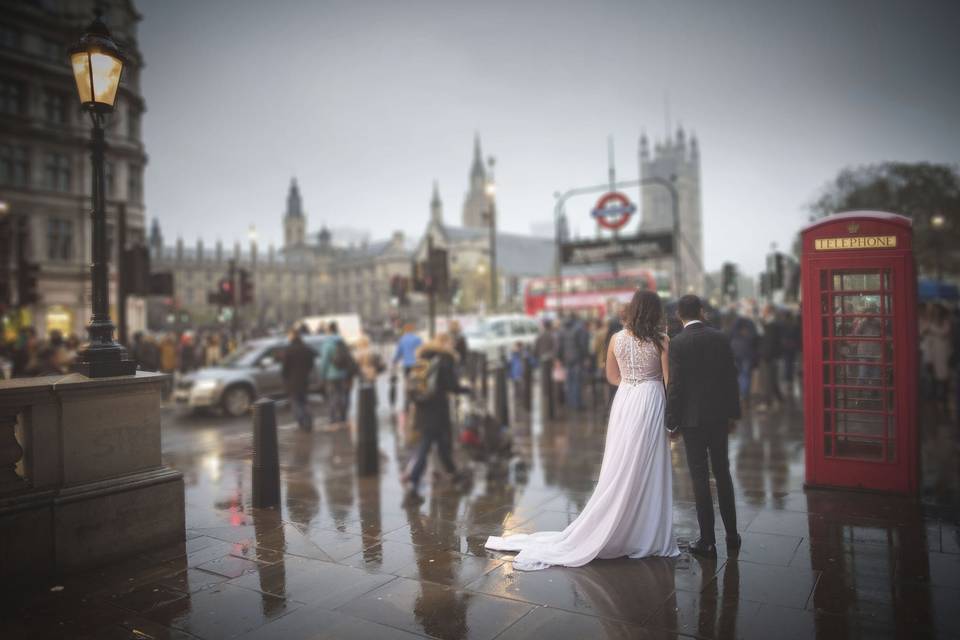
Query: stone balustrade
column 81, row 477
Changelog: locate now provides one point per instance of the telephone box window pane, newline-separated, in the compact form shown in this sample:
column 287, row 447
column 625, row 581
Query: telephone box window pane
column 887, row 304
column 859, row 375
column 859, row 351
column 886, row 279
column 889, row 347
column 823, row 281
column 857, row 282
column 867, row 327
column 827, row 402
column 891, row 429
column 856, row 303
column 825, row 328
column 860, row 448
column 824, row 304
column 826, row 350
column 867, row 399
column 891, row 450
column 827, row 422
column 827, row 446
column 891, row 403
column 826, row 374
column 866, row 424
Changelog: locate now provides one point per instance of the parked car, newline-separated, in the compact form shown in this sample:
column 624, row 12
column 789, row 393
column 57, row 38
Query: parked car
column 250, row 372
column 494, row 335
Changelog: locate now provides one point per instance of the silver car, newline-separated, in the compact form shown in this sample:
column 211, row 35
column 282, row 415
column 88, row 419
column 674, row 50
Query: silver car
column 250, row 372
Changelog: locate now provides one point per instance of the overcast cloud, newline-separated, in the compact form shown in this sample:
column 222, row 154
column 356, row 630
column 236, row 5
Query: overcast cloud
column 366, row 103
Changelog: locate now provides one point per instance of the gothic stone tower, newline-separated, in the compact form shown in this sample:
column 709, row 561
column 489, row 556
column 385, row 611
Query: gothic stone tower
column 475, row 202
column 676, row 157
column 294, row 222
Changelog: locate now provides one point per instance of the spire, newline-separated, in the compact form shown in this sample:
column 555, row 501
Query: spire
column 644, row 146
column 436, row 205
column 681, row 137
column 477, row 171
column 294, row 203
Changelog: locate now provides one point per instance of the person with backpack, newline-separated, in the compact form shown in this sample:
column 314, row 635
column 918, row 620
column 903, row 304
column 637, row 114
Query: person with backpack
column 432, row 379
column 337, row 367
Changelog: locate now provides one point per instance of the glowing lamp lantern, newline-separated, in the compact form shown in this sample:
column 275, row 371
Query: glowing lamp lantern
column 97, row 67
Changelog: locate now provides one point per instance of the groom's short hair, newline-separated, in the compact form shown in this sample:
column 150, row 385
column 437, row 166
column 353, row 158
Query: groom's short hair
column 689, row 307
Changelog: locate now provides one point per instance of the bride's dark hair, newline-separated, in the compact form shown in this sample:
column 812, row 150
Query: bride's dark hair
column 643, row 317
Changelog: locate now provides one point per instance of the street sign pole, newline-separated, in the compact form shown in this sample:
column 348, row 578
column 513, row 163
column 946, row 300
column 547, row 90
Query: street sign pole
column 431, row 289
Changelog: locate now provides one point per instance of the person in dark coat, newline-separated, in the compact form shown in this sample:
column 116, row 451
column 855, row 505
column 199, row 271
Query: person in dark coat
column 703, row 403
column 574, row 353
column 298, row 360
column 433, row 415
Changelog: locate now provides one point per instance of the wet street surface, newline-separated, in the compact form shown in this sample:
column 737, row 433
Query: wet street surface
column 343, row 558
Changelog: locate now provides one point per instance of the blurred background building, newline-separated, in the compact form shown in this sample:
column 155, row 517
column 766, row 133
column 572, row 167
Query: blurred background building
column 45, row 170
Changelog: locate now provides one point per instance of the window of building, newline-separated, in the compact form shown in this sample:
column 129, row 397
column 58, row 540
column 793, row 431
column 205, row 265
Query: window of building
column 133, row 124
column 9, row 37
column 12, row 97
column 109, row 179
column 52, row 50
column 14, row 166
column 135, row 183
column 55, row 106
column 56, row 172
column 59, row 239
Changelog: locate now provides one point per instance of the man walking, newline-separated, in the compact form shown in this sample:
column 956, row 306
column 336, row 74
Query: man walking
column 335, row 367
column 298, row 362
column 703, row 402
column 574, row 351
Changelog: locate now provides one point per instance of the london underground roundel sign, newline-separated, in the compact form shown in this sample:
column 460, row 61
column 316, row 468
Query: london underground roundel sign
column 613, row 210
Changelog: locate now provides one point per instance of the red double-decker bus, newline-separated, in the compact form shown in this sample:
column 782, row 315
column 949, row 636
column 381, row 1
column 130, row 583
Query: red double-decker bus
column 590, row 293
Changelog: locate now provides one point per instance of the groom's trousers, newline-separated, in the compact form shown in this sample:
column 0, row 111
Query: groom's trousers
column 699, row 444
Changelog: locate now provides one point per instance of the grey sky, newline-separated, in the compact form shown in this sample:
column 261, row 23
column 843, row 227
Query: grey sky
column 368, row 102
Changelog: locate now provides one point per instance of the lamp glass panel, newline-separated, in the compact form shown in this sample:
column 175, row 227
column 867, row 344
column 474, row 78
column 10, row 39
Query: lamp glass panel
column 81, row 73
column 106, row 77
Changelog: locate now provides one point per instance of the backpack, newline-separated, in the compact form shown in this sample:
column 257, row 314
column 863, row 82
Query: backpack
column 423, row 382
column 342, row 358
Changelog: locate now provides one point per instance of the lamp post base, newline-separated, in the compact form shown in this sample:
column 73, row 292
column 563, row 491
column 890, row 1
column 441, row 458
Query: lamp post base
column 104, row 361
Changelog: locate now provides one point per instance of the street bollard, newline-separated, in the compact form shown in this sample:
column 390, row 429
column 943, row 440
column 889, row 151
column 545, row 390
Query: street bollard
column 527, row 385
column 546, row 384
column 266, row 463
column 501, row 400
column 368, row 449
column 483, row 375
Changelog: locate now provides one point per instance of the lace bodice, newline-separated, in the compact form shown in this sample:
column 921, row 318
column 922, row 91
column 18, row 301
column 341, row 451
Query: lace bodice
column 639, row 360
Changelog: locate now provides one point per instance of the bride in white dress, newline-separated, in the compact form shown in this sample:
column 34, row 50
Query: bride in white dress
column 631, row 510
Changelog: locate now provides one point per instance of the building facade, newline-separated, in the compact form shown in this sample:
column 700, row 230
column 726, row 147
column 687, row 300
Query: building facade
column 302, row 278
column 45, row 170
column 678, row 160
column 519, row 257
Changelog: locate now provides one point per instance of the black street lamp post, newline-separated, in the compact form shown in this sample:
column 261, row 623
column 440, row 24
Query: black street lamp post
column 97, row 65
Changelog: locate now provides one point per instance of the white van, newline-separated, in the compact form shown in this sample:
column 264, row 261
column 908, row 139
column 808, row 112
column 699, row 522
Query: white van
column 348, row 324
column 494, row 335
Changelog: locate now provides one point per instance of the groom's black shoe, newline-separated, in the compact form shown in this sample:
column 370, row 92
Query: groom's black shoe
column 734, row 542
column 703, row 548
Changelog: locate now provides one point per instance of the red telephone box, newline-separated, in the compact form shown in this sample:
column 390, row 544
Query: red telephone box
column 860, row 352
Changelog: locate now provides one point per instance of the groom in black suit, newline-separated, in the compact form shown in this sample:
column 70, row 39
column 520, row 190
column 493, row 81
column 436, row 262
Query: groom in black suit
column 703, row 401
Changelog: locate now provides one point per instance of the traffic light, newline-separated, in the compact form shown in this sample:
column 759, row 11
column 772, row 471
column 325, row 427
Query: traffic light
column 729, row 286
column 225, row 289
column 246, row 287
column 136, row 270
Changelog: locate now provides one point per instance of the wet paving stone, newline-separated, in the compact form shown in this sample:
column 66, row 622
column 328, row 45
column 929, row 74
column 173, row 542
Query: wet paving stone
column 312, row 623
column 341, row 557
column 437, row 611
column 311, row 581
column 546, row 622
column 626, row 590
column 222, row 611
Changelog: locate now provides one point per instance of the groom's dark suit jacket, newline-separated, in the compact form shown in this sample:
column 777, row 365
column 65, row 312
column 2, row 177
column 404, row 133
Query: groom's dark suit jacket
column 703, row 392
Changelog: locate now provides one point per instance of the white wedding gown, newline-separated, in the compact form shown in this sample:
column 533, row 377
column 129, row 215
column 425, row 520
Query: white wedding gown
column 631, row 510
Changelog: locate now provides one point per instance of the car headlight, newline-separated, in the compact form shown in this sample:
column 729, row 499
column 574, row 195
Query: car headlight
column 208, row 384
